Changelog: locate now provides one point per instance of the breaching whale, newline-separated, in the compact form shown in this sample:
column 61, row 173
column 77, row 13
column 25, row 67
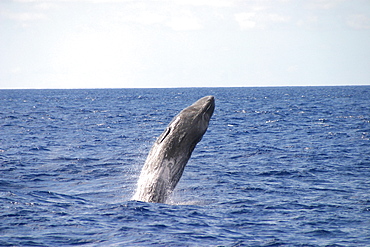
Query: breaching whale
column 171, row 151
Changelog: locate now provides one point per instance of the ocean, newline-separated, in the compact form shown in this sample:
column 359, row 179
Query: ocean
column 278, row 166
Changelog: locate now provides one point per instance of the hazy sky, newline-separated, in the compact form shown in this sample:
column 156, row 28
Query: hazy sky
column 183, row 43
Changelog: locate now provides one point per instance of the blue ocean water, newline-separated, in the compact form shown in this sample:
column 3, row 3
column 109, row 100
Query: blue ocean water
column 287, row 166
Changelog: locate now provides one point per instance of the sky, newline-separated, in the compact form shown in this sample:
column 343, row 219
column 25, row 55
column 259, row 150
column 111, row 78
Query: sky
column 183, row 43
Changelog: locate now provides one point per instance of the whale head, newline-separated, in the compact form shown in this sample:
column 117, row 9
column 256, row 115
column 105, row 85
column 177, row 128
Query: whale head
column 188, row 127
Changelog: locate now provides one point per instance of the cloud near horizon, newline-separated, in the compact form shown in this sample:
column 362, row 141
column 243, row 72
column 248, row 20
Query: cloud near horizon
column 182, row 15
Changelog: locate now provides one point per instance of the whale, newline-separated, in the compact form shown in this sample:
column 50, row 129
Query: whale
column 171, row 151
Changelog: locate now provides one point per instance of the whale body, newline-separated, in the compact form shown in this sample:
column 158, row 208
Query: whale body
column 171, row 151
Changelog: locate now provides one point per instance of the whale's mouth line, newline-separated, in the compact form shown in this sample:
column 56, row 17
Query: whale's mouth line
column 209, row 105
column 208, row 109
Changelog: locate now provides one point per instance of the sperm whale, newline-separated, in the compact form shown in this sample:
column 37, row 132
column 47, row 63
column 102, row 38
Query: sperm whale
column 171, row 151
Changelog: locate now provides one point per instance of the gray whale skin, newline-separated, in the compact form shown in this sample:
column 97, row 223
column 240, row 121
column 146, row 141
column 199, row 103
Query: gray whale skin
column 171, row 151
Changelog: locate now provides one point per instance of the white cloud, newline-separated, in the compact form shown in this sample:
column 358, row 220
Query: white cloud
column 149, row 18
column 212, row 3
column 323, row 4
column 15, row 70
column 308, row 22
column 46, row 6
column 292, row 68
column 359, row 21
column 259, row 19
column 184, row 23
column 93, row 57
column 61, row 1
column 175, row 17
column 24, row 16
column 246, row 20
column 277, row 18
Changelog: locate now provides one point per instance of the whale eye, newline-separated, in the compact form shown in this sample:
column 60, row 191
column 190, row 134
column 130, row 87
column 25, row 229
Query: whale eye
column 164, row 135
